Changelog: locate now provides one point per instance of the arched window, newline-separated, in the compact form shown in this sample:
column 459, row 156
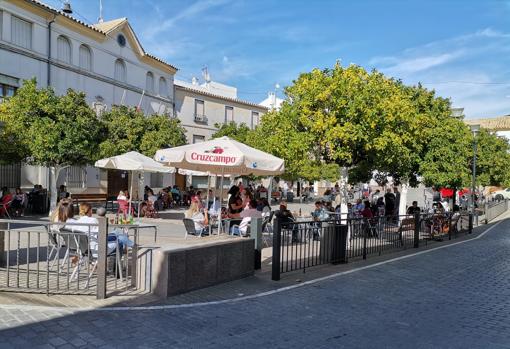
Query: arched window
column 85, row 57
column 149, row 82
column 120, row 70
column 163, row 89
column 64, row 49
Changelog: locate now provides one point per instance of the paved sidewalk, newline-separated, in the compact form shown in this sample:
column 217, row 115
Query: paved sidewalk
column 259, row 283
column 450, row 297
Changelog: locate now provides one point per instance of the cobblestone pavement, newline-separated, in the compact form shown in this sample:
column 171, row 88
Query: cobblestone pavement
column 455, row 297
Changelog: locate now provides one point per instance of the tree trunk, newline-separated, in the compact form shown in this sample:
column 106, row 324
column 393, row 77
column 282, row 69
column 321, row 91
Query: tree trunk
column 54, row 173
column 403, row 198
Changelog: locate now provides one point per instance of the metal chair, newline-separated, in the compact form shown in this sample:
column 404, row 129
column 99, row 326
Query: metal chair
column 4, row 207
column 267, row 229
column 190, row 227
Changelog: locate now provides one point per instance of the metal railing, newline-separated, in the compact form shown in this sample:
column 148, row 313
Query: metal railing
column 71, row 258
column 494, row 209
column 300, row 245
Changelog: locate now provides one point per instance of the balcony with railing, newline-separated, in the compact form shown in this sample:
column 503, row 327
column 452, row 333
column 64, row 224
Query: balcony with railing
column 201, row 119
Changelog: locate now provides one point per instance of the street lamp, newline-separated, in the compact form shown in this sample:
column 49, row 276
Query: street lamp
column 475, row 129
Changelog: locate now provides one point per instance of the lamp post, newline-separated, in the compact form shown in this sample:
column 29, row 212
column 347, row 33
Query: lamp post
column 475, row 129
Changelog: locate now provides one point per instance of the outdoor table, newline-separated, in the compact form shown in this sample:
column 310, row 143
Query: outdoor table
column 228, row 222
column 138, row 226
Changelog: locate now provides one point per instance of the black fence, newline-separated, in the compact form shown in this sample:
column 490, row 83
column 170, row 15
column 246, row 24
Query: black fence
column 300, row 245
column 304, row 244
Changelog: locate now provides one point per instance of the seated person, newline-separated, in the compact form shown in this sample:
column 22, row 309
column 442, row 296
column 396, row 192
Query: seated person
column 235, row 203
column 92, row 231
column 283, row 214
column 246, row 215
column 153, row 199
column 176, row 194
column 123, row 201
column 6, row 201
column 62, row 193
column 319, row 214
column 413, row 209
column 201, row 220
column 367, row 211
column 19, row 202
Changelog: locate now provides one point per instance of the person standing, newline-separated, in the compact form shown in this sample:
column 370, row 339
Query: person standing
column 389, row 203
column 397, row 201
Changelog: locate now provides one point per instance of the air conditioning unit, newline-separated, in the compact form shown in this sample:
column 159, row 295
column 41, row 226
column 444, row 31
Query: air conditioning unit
column 201, row 118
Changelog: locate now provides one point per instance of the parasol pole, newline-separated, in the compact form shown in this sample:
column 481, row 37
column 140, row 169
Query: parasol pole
column 207, row 201
column 221, row 198
column 130, row 193
column 139, row 201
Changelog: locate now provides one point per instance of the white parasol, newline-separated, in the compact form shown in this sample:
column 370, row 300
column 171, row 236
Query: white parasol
column 133, row 161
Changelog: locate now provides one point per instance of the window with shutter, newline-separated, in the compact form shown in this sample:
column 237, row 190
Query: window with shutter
column 149, row 82
column 64, row 49
column 199, row 108
column 85, row 57
column 254, row 118
column 120, row 70
column 229, row 114
column 21, row 32
column 163, row 89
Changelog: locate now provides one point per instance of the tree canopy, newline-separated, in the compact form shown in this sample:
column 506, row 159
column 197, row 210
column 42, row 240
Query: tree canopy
column 127, row 129
column 376, row 127
column 45, row 129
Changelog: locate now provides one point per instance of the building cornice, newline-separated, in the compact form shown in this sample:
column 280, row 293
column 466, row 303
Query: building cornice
column 77, row 70
column 208, row 94
column 41, row 9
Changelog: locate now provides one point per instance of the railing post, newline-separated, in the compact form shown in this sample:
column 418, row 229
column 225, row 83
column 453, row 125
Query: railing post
column 470, row 226
column 256, row 233
column 277, row 234
column 3, row 257
column 416, row 230
column 365, row 233
column 102, row 240
column 486, row 209
column 449, row 227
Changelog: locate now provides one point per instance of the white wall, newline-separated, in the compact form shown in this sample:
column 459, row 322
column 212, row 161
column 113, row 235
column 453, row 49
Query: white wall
column 214, row 109
column 98, row 82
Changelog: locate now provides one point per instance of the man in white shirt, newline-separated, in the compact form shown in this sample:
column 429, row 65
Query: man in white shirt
column 247, row 214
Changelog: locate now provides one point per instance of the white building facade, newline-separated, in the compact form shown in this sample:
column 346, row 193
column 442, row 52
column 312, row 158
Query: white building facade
column 201, row 107
column 107, row 62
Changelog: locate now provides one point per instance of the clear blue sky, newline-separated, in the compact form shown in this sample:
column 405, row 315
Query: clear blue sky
column 461, row 48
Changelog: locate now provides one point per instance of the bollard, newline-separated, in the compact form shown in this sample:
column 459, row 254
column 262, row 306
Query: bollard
column 470, row 227
column 102, row 241
column 256, row 233
column 365, row 232
column 277, row 232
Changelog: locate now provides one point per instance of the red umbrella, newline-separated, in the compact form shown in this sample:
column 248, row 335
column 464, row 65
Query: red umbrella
column 464, row 191
column 446, row 192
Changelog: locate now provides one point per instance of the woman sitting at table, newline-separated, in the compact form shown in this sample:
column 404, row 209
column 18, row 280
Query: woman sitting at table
column 19, row 203
column 235, row 203
column 247, row 215
column 201, row 220
column 122, row 200
column 92, row 231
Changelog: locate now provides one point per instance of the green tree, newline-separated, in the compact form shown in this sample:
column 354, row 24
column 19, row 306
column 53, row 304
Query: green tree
column 50, row 130
column 239, row 132
column 130, row 130
column 493, row 160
